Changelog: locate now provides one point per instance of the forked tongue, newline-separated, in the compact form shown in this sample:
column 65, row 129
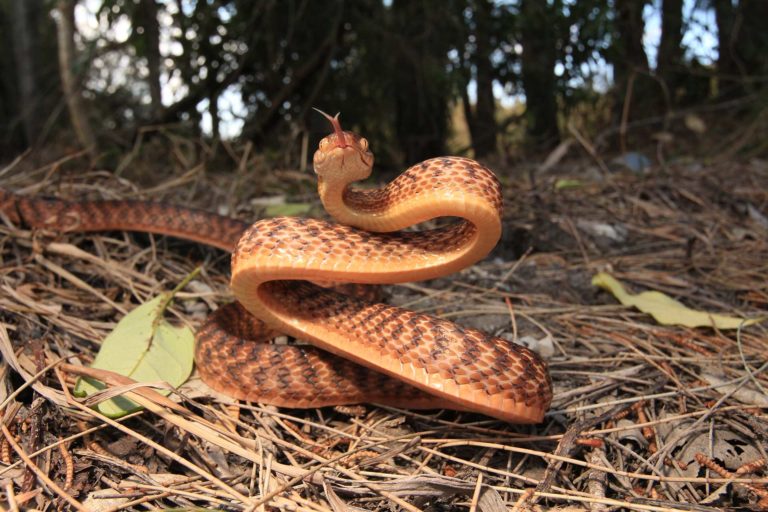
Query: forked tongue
column 341, row 139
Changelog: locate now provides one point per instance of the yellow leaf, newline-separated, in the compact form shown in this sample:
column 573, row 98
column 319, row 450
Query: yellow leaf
column 666, row 310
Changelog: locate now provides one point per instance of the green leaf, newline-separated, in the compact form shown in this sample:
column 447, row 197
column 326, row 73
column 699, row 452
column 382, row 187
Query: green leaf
column 666, row 310
column 287, row 209
column 565, row 183
column 145, row 347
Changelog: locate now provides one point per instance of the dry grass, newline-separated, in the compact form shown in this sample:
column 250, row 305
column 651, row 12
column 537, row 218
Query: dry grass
column 645, row 417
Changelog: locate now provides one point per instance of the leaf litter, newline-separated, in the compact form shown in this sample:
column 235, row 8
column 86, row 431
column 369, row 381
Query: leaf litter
column 636, row 404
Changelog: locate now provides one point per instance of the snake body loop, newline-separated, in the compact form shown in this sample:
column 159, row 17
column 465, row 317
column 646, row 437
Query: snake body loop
column 417, row 360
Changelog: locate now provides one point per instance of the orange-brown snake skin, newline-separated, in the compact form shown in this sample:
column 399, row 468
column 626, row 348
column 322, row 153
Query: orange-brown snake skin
column 417, row 360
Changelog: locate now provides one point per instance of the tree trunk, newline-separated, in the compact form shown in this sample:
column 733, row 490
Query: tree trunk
column 753, row 42
column 538, row 73
column 147, row 17
column 213, row 110
column 11, row 139
column 26, row 67
column 67, row 58
column 421, row 88
column 742, row 46
column 634, row 91
column 631, row 56
column 729, row 78
column 484, row 129
column 670, row 60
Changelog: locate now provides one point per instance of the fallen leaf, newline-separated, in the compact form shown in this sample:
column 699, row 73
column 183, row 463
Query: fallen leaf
column 744, row 394
column 614, row 232
column 566, row 183
column 666, row 310
column 103, row 499
column 695, row 124
column 145, row 347
column 731, row 448
column 543, row 346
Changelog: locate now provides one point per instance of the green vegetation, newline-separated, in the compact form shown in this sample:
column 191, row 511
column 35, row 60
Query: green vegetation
column 397, row 70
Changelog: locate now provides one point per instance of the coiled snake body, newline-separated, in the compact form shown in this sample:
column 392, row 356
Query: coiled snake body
column 418, row 360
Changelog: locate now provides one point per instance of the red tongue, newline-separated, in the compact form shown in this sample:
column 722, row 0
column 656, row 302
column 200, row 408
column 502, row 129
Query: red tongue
column 341, row 140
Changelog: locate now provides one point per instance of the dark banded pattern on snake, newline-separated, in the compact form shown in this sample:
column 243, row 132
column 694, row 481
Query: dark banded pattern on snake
column 273, row 260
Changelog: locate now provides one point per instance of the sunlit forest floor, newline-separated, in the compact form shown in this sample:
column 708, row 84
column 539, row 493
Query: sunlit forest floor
column 646, row 416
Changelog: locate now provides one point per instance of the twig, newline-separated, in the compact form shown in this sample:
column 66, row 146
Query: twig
column 40, row 474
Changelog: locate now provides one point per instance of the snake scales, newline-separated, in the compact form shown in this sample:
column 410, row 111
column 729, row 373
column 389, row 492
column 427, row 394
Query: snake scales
column 418, row 360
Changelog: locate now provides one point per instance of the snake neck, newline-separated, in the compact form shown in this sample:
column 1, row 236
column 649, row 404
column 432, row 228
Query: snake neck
column 351, row 206
column 441, row 187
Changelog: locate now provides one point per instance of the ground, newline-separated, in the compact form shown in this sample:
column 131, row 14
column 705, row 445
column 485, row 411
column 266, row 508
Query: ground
column 645, row 416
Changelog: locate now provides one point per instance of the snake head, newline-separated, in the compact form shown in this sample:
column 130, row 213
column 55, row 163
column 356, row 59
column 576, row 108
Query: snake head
column 342, row 154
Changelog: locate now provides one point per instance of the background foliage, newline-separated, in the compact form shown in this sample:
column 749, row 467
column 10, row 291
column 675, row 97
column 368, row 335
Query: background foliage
column 408, row 74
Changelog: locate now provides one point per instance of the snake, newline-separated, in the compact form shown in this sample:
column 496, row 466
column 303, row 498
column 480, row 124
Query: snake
column 354, row 350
